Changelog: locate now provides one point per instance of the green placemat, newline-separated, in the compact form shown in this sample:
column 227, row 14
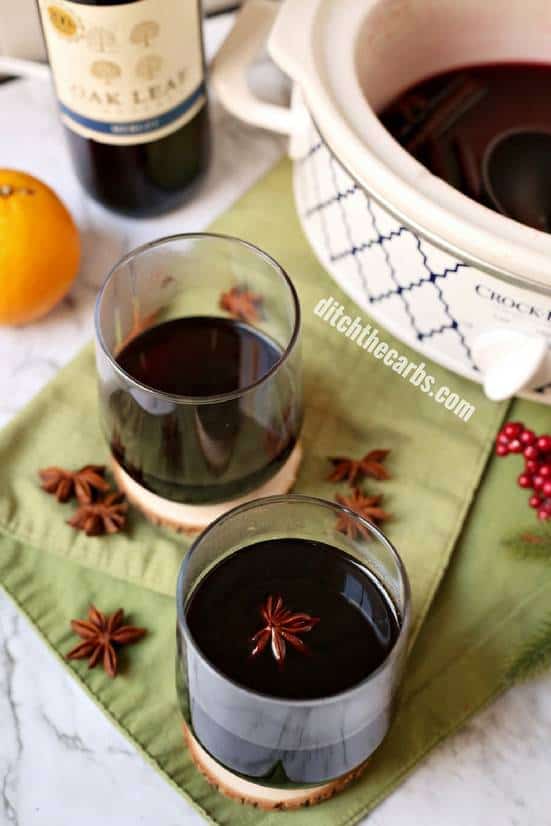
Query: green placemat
column 353, row 404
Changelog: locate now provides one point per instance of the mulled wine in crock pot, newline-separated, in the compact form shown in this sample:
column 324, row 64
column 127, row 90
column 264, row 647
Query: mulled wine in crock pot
column 486, row 130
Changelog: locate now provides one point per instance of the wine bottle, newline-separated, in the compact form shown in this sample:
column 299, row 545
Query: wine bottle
column 130, row 81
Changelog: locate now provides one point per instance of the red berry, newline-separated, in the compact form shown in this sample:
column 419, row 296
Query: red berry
column 525, row 480
column 513, row 429
column 515, row 438
column 544, row 444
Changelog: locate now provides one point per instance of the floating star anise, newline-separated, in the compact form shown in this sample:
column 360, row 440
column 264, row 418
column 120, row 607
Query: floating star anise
column 282, row 626
column 101, row 633
column 107, row 515
column 351, row 469
column 242, row 303
column 85, row 483
column 366, row 506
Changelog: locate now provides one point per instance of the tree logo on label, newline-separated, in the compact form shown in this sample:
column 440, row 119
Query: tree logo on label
column 143, row 33
column 64, row 22
column 100, row 39
column 105, row 70
column 149, row 66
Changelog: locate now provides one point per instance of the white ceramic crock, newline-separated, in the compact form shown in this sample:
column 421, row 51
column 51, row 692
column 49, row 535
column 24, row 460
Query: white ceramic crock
column 462, row 284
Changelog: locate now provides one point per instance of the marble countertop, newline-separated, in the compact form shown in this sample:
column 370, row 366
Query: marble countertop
column 61, row 761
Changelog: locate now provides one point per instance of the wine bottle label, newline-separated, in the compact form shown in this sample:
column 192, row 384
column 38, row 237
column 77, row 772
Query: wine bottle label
column 125, row 74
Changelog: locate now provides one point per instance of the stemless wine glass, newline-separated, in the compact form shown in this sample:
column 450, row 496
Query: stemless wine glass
column 211, row 446
column 286, row 742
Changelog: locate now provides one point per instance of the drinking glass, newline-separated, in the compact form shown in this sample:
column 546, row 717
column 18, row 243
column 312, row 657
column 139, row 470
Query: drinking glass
column 207, row 448
column 286, row 742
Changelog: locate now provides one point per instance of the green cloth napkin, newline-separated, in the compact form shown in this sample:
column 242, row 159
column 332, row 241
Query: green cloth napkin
column 353, row 404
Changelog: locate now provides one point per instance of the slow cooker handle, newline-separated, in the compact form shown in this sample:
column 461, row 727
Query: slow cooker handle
column 511, row 361
column 228, row 74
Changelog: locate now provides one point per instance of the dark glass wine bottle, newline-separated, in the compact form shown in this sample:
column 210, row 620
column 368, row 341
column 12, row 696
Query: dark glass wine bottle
column 130, row 80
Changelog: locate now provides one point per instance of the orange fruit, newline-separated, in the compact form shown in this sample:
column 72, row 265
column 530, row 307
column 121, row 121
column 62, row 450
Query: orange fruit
column 39, row 248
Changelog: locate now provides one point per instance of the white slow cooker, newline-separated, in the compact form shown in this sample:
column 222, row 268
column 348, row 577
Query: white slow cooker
column 465, row 286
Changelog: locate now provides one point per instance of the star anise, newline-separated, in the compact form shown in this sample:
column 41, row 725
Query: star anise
column 366, row 506
column 242, row 303
column 351, row 469
column 107, row 515
column 85, row 483
column 101, row 633
column 282, row 626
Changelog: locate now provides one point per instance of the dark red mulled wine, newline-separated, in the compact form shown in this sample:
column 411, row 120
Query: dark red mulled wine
column 486, row 130
column 337, row 625
column 292, row 638
column 289, row 619
column 194, row 448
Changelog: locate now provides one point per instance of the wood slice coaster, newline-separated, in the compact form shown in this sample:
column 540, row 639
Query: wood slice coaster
column 192, row 518
column 263, row 797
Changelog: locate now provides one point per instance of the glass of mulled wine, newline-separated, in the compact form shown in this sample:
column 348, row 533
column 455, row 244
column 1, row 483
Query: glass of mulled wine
column 198, row 357
column 293, row 619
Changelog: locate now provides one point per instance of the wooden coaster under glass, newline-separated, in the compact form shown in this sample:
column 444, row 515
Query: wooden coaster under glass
column 255, row 794
column 192, row 518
